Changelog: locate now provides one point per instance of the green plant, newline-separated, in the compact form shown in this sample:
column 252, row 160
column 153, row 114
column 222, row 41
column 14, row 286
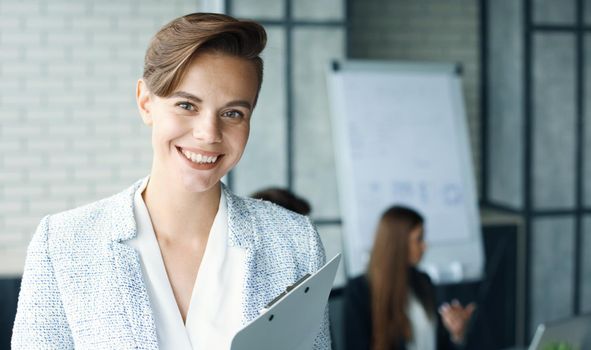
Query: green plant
column 562, row 345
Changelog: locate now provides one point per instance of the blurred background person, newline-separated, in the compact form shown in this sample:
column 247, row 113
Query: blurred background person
column 393, row 305
column 284, row 198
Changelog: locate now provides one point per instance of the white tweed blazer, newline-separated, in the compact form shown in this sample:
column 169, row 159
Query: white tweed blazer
column 83, row 288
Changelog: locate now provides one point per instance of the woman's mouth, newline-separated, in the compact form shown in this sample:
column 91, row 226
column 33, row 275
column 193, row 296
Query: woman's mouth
column 200, row 160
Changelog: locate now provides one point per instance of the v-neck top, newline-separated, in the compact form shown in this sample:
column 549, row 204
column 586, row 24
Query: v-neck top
column 215, row 308
column 424, row 333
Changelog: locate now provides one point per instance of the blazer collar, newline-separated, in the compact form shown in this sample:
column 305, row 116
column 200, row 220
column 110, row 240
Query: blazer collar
column 240, row 220
column 119, row 221
column 122, row 213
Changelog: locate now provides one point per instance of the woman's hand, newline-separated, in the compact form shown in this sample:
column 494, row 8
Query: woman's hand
column 455, row 318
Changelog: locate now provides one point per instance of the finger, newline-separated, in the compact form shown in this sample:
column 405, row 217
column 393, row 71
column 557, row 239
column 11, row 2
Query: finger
column 444, row 307
column 466, row 314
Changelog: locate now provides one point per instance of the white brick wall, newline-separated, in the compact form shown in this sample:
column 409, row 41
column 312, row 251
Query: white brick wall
column 69, row 129
column 424, row 30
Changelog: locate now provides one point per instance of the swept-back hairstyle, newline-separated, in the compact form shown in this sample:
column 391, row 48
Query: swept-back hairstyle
column 390, row 278
column 171, row 50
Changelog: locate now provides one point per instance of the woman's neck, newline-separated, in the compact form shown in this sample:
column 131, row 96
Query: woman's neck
column 177, row 214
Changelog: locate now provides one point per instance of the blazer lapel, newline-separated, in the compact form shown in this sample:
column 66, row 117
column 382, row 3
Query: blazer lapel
column 243, row 232
column 134, row 296
column 241, row 225
column 120, row 223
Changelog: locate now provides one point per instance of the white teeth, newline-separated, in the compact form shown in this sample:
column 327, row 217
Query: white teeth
column 198, row 158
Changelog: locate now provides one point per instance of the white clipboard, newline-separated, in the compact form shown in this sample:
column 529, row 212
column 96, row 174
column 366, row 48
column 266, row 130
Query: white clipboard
column 294, row 318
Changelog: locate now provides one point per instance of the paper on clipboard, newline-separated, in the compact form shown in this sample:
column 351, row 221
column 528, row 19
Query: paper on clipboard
column 293, row 321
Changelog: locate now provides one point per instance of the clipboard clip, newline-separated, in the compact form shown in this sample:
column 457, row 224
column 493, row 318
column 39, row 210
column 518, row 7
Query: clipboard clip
column 284, row 293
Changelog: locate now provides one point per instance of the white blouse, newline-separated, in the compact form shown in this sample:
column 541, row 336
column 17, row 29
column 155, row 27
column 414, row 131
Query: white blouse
column 215, row 310
column 424, row 335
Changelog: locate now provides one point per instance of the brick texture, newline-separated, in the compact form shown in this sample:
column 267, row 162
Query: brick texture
column 69, row 129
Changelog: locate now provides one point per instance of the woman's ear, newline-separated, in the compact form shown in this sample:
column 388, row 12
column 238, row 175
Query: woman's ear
column 143, row 98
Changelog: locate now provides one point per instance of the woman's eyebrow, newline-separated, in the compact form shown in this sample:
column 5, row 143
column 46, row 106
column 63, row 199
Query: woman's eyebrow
column 239, row 103
column 186, row 95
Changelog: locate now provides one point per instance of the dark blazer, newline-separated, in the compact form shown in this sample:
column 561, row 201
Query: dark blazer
column 358, row 315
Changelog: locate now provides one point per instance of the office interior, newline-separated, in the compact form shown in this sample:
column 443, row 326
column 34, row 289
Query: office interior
column 70, row 133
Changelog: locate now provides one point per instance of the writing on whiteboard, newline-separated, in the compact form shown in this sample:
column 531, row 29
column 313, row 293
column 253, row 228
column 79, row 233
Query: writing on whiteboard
column 424, row 193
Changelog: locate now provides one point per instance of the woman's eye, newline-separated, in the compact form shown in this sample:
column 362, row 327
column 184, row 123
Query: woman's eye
column 186, row 106
column 233, row 114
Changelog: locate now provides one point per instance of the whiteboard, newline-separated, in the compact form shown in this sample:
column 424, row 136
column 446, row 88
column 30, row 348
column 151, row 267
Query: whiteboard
column 400, row 137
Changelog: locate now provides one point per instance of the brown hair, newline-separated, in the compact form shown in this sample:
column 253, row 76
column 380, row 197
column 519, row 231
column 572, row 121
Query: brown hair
column 171, row 50
column 284, row 198
column 390, row 276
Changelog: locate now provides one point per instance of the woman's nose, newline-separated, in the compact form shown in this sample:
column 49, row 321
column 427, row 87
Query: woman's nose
column 207, row 128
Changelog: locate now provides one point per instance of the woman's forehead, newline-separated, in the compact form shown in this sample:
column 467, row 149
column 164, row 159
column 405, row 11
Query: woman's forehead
column 222, row 75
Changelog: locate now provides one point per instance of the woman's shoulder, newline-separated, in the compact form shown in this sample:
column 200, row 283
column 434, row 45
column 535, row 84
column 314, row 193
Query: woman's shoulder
column 279, row 230
column 271, row 211
column 423, row 277
column 268, row 214
column 98, row 220
column 115, row 205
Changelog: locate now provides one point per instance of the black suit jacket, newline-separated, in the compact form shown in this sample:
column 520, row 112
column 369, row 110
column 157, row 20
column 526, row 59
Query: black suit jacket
column 358, row 316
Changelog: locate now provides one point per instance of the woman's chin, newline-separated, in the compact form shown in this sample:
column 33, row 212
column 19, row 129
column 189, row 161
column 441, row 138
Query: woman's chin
column 194, row 184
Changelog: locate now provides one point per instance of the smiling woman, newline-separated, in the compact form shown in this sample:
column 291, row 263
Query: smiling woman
column 176, row 261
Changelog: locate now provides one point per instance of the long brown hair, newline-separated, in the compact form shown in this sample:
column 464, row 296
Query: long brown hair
column 390, row 277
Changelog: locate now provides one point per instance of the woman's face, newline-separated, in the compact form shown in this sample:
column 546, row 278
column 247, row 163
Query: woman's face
column 200, row 131
column 416, row 245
